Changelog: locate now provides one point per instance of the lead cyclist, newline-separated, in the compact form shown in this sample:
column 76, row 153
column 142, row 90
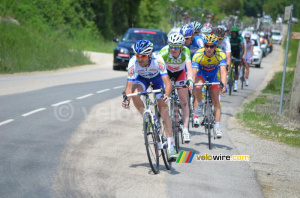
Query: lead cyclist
column 176, row 57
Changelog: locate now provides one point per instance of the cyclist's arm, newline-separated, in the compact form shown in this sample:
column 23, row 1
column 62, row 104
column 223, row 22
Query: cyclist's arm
column 244, row 50
column 228, row 57
column 223, row 75
column 128, row 89
column 252, row 50
column 168, row 86
column 189, row 70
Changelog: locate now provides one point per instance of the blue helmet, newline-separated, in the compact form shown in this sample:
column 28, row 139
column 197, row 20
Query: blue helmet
column 187, row 30
column 143, row 47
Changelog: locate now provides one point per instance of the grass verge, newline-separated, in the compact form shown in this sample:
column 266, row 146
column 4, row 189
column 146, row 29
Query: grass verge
column 261, row 115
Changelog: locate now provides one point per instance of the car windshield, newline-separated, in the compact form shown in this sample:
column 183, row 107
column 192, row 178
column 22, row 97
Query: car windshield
column 276, row 33
column 255, row 42
column 134, row 35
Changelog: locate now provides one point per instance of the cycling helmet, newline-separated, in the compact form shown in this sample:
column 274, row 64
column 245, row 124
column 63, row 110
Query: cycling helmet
column 176, row 39
column 197, row 26
column 220, row 32
column 187, row 30
column 206, row 30
column 235, row 29
column 211, row 39
column 247, row 35
column 143, row 47
column 208, row 25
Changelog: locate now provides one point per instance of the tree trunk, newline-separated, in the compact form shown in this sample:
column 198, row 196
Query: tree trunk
column 295, row 98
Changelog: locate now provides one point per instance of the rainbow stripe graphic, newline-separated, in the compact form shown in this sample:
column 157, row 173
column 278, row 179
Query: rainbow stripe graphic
column 185, row 157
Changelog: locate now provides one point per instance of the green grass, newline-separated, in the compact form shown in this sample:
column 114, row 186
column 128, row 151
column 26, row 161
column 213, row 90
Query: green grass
column 261, row 115
column 24, row 50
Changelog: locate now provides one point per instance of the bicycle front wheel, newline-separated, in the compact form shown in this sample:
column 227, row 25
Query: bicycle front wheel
column 174, row 117
column 150, row 136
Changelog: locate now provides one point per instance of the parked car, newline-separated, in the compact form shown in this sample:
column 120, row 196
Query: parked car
column 123, row 51
column 257, row 51
column 276, row 36
column 295, row 20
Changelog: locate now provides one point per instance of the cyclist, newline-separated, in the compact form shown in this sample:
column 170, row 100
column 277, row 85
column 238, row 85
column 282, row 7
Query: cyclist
column 176, row 57
column 224, row 43
column 191, row 41
column 209, row 60
column 197, row 27
column 146, row 67
column 237, row 51
column 248, row 56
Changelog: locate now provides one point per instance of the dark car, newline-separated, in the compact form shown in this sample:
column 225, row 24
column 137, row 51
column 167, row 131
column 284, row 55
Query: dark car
column 123, row 51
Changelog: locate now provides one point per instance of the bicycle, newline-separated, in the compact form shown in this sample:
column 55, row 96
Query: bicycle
column 154, row 134
column 208, row 115
column 176, row 115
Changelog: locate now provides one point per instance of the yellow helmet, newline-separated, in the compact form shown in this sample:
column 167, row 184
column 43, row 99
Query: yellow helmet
column 211, row 39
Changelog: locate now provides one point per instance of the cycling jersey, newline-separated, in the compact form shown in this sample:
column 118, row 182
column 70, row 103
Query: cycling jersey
column 225, row 46
column 209, row 66
column 145, row 75
column 196, row 44
column 235, row 46
column 248, row 46
column 157, row 66
column 176, row 66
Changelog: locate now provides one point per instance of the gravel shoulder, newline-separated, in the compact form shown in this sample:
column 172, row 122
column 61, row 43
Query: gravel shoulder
column 276, row 164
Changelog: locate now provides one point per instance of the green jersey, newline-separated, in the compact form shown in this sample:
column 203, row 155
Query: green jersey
column 175, row 64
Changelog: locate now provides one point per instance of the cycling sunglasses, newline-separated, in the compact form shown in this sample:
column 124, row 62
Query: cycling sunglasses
column 209, row 46
column 221, row 38
column 141, row 56
column 187, row 38
column 176, row 47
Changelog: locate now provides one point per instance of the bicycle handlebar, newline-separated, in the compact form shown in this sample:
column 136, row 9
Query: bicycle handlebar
column 208, row 83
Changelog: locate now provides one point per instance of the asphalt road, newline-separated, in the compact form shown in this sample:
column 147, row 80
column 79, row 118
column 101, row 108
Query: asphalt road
column 75, row 140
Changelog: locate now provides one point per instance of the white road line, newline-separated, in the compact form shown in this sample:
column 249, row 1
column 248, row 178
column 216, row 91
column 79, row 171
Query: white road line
column 118, row 87
column 60, row 103
column 6, row 121
column 104, row 90
column 85, row 96
column 34, row 111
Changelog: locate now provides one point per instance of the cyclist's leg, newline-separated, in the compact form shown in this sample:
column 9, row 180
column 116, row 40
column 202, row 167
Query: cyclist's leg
column 198, row 89
column 139, row 85
column 183, row 92
column 162, row 106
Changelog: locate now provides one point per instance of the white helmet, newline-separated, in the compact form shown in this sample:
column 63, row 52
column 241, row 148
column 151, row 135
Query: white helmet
column 247, row 35
column 197, row 26
column 176, row 39
column 206, row 30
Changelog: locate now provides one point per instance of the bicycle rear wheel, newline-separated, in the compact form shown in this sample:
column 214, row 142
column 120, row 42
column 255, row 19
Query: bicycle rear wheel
column 150, row 136
column 243, row 76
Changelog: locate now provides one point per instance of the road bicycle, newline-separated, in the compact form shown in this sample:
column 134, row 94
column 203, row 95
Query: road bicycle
column 154, row 132
column 208, row 111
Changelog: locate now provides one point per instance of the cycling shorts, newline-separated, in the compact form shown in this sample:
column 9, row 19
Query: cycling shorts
column 212, row 77
column 236, row 54
column 180, row 77
column 145, row 82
